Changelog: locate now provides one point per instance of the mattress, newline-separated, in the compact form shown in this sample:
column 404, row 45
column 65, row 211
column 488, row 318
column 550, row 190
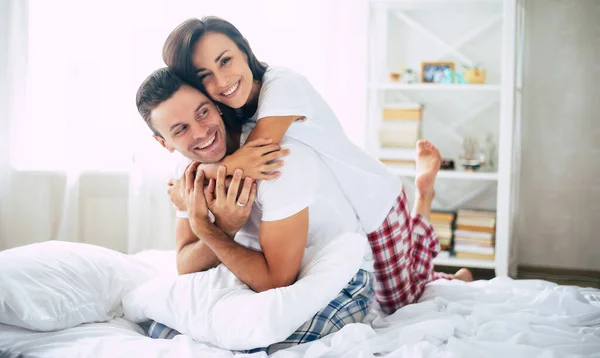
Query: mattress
column 496, row 318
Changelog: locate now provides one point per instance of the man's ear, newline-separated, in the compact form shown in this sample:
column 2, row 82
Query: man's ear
column 163, row 142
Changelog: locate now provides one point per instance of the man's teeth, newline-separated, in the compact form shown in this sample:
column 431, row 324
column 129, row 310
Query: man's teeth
column 209, row 142
column 231, row 89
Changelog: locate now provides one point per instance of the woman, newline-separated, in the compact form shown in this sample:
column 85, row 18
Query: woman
column 213, row 55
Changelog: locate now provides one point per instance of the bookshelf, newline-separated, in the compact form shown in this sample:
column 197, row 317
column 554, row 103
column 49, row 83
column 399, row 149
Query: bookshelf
column 404, row 33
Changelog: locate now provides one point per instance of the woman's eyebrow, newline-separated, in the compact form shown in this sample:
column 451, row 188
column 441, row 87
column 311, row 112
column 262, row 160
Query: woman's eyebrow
column 216, row 60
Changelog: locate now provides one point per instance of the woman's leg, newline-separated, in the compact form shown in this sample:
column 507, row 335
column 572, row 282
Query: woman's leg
column 405, row 244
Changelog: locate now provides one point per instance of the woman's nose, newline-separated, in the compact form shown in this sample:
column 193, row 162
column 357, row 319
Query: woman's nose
column 221, row 80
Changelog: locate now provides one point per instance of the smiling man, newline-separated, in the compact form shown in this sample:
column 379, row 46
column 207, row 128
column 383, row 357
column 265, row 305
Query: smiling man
column 261, row 241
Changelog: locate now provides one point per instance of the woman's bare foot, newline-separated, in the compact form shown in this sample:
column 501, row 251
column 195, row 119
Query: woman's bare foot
column 427, row 165
column 464, row 274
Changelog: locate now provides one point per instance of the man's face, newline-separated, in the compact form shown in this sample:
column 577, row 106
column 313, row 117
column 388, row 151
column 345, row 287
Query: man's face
column 190, row 123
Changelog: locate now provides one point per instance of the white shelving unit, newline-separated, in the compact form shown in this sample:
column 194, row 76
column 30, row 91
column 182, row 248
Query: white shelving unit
column 433, row 87
column 404, row 33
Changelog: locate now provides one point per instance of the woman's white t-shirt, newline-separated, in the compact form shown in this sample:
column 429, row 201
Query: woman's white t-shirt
column 369, row 187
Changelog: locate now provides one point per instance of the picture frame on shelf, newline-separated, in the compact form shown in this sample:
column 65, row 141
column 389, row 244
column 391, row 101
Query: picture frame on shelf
column 437, row 72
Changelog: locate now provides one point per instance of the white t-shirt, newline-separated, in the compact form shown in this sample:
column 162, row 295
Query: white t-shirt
column 370, row 188
column 305, row 181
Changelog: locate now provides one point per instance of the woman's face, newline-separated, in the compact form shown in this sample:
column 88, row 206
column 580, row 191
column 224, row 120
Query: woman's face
column 223, row 69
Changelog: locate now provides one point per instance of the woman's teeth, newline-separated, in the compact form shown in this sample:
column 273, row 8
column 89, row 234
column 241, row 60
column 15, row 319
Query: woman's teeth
column 207, row 143
column 231, row 89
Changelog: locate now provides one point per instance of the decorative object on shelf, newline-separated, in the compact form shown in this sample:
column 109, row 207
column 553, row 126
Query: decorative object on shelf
column 447, row 164
column 395, row 76
column 491, row 152
column 474, row 75
column 401, row 125
column 472, row 158
column 409, row 76
column 435, row 72
column 459, row 78
column 447, row 77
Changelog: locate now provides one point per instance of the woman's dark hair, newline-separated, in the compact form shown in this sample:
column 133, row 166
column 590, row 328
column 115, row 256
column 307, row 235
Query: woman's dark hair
column 178, row 50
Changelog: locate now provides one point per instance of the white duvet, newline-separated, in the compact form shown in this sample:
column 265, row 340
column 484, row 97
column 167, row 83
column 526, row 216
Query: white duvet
column 497, row 318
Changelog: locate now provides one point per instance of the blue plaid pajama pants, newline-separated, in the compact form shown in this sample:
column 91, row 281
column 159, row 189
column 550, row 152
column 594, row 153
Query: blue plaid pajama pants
column 350, row 306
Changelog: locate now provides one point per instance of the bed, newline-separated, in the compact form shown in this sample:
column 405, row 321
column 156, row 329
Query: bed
column 496, row 318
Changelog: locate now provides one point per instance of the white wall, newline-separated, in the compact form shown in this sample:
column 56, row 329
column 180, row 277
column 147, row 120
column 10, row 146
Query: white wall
column 559, row 208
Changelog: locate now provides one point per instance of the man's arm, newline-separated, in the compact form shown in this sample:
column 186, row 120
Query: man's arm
column 193, row 255
column 282, row 241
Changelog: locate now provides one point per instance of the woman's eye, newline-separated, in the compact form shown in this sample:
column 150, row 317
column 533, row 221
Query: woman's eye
column 204, row 76
column 225, row 61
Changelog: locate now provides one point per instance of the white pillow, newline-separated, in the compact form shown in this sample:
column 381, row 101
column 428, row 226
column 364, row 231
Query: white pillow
column 215, row 307
column 56, row 285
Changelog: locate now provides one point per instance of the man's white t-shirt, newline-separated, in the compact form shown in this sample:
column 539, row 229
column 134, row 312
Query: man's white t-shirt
column 370, row 188
column 305, row 181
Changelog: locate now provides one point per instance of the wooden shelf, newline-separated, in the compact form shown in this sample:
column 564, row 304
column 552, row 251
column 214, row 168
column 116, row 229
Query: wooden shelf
column 432, row 87
column 472, row 263
column 447, row 174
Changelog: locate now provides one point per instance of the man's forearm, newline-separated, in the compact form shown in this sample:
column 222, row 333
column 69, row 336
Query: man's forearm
column 248, row 265
column 192, row 254
column 195, row 257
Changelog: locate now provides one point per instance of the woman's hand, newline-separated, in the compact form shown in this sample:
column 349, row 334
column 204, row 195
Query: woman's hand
column 258, row 159
column 231, row 206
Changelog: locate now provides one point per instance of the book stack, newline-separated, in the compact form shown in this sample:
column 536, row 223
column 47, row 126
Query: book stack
column 399, row 132
column 474, row 235
column 442, row 224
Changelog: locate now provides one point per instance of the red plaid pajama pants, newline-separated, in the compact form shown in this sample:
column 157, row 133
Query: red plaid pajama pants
column 404, row 247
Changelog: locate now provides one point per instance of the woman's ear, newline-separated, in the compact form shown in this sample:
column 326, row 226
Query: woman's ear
column 219, row 109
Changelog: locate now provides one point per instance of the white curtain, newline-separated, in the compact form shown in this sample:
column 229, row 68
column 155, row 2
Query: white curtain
column 69, row 115
column 13, row 56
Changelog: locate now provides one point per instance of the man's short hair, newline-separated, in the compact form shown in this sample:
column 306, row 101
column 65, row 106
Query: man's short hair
column 162, row 85
column 156, row 89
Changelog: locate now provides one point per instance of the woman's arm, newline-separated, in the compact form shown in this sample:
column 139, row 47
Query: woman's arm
column 258, row 164
column 258, row 158
column 273, row 128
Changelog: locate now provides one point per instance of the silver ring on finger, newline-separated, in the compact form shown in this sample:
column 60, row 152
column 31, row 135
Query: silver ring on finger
column 240, row 204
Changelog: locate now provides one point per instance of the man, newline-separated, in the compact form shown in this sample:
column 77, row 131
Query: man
column 275, row 220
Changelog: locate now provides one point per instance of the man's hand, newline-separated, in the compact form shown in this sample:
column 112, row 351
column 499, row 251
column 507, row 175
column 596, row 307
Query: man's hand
column 230, row 206
column 193, row 190
column 175, row 191
column 258, row 159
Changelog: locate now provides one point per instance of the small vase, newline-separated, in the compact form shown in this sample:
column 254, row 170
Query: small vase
column 475, row 77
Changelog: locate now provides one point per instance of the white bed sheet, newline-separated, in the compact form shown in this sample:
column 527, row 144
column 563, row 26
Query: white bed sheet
column 496, row 318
